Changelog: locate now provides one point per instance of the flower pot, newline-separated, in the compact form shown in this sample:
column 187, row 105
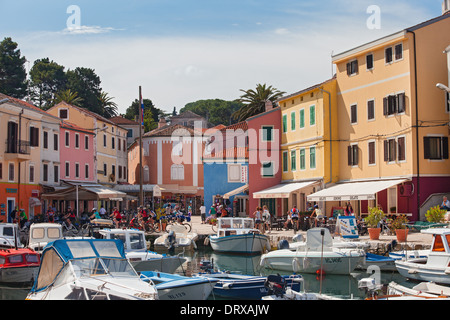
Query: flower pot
column 374, row 233
column 401, row 234
column 163, row 226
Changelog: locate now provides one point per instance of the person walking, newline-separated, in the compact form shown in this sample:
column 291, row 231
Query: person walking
column 266, row 217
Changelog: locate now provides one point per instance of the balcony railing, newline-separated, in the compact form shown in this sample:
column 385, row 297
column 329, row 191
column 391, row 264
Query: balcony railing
column 17, row 146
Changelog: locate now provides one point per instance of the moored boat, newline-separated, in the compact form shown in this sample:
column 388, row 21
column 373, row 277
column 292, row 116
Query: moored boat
column 88, row 269
column 238, row 236
column 177, row 239
column 318, row 255
column 18, row 266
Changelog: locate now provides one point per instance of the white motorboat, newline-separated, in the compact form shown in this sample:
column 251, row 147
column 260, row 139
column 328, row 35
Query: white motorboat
column 238, row 236
column 318, row 255
column 428, row 289
column 43, row 233
column 88, row 269
column 177, row 239
column 136, row 251
column 435, row 267
column 177, row 287
column 9, row 236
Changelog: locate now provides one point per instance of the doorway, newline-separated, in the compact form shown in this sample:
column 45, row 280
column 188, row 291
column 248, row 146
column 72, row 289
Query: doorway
column 11, row 204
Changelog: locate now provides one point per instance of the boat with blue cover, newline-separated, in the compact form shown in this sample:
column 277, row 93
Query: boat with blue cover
column 88, row 269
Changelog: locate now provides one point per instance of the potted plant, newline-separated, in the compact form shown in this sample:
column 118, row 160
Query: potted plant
column 399, row 224
column 372, row 221
column 435, row 214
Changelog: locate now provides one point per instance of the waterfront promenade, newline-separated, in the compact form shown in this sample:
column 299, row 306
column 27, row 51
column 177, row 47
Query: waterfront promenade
column 415, row 241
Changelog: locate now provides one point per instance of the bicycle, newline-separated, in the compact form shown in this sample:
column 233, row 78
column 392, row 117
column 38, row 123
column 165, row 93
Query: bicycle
column 174, row 220
column 69, row 230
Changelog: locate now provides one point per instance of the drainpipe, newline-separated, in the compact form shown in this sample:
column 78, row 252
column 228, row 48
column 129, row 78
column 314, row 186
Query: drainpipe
column 331, row 140
column 18, row 162
column 417, row 124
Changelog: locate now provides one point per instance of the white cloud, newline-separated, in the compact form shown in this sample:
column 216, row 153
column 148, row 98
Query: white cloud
column 87, row 30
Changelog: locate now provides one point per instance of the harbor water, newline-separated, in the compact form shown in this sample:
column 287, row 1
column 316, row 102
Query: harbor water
column 342, row 286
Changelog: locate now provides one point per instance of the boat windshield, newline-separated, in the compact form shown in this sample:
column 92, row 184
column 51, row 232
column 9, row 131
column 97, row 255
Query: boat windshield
column 102, row 266
column 137, row 240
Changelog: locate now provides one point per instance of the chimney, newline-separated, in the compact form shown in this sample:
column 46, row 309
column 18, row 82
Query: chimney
column 162, row 122
column 268, row 105
column 445, row 7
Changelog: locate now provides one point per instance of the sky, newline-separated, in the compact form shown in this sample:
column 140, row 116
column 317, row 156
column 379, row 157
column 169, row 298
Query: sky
column 181, row 51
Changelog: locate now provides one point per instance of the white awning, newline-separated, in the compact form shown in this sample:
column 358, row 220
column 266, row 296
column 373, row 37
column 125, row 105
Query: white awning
column 235, row 191
column 366, row 190
column 282, row 190
column 91, row 192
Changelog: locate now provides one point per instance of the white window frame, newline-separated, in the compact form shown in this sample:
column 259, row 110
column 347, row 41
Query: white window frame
column 177, row 172
column 230, row 168
column 375, row 153
column 262, row 169
column 77, row 136
column 264, row 133
column 367, row 106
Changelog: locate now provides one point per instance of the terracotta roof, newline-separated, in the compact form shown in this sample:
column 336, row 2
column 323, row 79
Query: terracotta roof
column 25, row 104
column 240, row 125
column 124, row 121
column 305, row 90
column 69, row 125
column 168, row 130
column 187, row 114
column 229, row 153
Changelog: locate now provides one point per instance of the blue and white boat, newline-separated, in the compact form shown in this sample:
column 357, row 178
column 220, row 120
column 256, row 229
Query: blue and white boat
column 240, row 286
column 238, row 236
column 88, row 269
column 178, row 287
column 382, row 262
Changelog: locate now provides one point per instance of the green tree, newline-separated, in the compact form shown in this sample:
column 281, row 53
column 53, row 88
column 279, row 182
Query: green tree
column 108, row 105
column 47, row 78
column 13, row 76
column 69, row 97
column 254, row 101
column 151, row 113
column 216, row 111
column 86, row 83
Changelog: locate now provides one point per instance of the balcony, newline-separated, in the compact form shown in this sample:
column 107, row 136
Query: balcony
column 17, row 150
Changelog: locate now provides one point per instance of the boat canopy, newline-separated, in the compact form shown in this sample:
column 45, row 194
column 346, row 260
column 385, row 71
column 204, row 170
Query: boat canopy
column 314, row 239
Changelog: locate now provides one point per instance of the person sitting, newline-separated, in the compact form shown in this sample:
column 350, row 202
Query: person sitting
column 69, row 217
column 445, row 205
column 95, row 214
column 294, row 216
column 348, row 210
column 288, row 222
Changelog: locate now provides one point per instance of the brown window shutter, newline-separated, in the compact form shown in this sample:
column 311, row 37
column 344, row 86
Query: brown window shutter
column 349, row 69
column 386, row 150
column 350, row 155
column 401, row 149
column 401, row 103
column 385, row 105
column 444, row 147
column 426, row 147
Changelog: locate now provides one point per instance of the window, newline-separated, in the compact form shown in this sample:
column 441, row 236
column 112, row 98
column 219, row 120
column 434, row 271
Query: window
column 67, row 169
column 34, row 137
column 302, row 159
column 267, row 169
column 353, row 155
column 113, row 146
column 105, row 170
column 371, row 152
column 67, row 135
column 354, row 114
column 369, row 62
column 302, row 118
column 56, row 173
column 312, row 115
column 312, row 157
column 55, row 142
column 104, row 140
column 77, row 141
column 293, row 161
column 393, row 104
column 120, row 172
column 11, row 172
column 284, row 123
column 177, row 148
column 45, row 140
column 177, row 172
column 435, row 148
column 234, row 173
column 267, row 133
column 401, row 149
column 31, row 173
column 390, row 150
column 292, row 121
column 130, row 133
column 285, row 161
column 352, row 67
column 86, row 171
column 77, row 170
column 45, row 172
column 1, row 171
column 63, row 114
column 86, row 142
column 398, row 52
column 388, row 55
column 113, row 170
column 371, row 110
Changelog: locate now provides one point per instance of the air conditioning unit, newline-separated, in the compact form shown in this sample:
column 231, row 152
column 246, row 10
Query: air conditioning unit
column 445, row 6
column 406, row 190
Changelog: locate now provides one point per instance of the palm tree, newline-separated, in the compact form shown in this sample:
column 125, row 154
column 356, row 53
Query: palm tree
column 254, row 101
column 109, row 107
column 69, row 97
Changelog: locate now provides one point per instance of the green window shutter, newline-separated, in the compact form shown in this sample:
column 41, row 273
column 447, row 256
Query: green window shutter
column 293, row 161
column 302, row 118
column 312, row 157
column 292, row 121
column 302, row 159
column 312, row 115
column 285, row 123
column 285, row 161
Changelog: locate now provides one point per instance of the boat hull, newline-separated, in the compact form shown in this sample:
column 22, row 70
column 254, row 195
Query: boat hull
column 166, row 264
column 249, row 243
column 19, row 275
column 417, row 269
column 303, row 262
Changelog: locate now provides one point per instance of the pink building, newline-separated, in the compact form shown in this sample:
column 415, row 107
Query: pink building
column 264, row 158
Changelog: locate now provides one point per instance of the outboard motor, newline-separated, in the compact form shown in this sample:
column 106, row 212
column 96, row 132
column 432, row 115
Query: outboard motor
column 276, row 285
column 283, row 244
column 171, row 239
column 390, row 246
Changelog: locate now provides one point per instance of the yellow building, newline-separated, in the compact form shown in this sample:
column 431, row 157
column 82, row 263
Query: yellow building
column 393, row 122
column 309, row 148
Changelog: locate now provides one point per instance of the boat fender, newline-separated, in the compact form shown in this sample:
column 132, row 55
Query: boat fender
column 295, row 265
column 206, row 242
column 227, row 286
column 283, row 244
